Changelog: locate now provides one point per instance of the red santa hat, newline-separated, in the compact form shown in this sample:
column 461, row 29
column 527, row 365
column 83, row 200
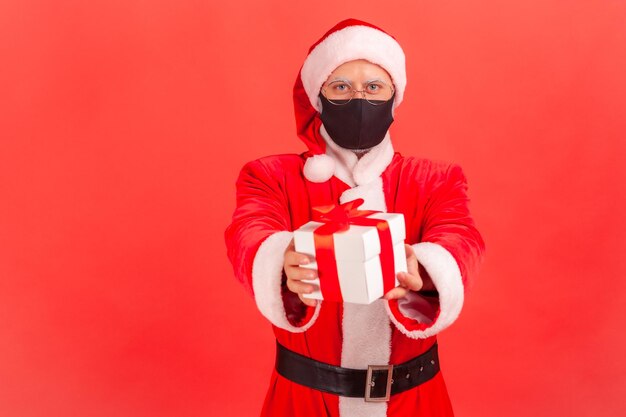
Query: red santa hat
column 348, row 40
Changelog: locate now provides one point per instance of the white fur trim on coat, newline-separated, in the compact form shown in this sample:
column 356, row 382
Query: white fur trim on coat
column 319, row 168
column 267, row 270
column 366, row 341
column 446, row 276
column 366, row 328
column 347, row 44
column 354, row 171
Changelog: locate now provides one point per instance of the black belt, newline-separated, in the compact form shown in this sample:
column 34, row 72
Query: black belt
column 376, row 383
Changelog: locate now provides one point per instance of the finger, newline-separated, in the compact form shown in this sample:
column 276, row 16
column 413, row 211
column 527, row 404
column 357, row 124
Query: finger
column 298, row 273
column 300, row 287
column 410, row 253
column 395, row 293
column 409, row 281
column 294, row 258
column 411, row 260
column 311, row 302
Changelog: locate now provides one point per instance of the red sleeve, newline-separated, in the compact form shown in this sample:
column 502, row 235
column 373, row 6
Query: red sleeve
column 448, row 222
column 450, row 252
column 256, row 240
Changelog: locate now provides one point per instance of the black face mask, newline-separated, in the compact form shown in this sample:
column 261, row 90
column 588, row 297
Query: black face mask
column 357, row 124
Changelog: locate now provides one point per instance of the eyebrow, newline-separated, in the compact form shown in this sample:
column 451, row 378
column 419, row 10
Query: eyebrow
column 345, row 80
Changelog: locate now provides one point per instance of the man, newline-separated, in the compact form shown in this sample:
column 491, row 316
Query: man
column 345, row 94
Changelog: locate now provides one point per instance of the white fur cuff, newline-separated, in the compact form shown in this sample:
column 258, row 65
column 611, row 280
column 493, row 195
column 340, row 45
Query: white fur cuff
column 446, row 276
column 267, row 270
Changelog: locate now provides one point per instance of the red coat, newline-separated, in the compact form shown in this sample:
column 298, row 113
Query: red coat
column 274, row 198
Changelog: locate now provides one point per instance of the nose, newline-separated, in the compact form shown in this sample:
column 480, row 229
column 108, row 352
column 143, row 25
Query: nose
column 362, row 92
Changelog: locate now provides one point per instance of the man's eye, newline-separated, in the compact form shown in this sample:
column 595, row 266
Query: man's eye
column 341, row 87
column 373, row 87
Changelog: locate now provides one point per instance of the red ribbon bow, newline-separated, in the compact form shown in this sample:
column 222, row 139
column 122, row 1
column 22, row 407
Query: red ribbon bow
column 338, row 218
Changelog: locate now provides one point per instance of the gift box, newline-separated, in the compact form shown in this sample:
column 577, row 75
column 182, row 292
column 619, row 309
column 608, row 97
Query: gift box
column 357, row 252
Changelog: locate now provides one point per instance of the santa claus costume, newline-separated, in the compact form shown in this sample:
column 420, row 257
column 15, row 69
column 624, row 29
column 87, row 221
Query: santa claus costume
column 275, row 196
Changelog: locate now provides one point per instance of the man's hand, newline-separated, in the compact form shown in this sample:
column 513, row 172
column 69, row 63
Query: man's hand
column 411, row 280
column 295, row 274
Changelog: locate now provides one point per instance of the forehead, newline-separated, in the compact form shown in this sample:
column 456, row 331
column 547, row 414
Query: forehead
column 359, row 69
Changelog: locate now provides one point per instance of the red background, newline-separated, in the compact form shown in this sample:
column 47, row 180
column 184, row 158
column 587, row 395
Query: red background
column 123, row 126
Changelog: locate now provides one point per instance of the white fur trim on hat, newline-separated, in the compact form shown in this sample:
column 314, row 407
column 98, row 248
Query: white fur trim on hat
column 347, row 44
column 319, row 168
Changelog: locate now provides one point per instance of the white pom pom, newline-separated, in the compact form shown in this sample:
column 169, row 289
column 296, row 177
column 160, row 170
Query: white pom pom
column 319, row 168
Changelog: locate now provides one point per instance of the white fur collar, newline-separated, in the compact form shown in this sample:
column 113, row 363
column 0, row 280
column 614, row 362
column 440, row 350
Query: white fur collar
column 354, row 171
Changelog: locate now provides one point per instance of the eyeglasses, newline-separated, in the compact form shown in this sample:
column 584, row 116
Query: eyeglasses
column 340, row 92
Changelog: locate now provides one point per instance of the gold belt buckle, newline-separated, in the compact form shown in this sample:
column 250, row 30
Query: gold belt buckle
column 369, row 383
